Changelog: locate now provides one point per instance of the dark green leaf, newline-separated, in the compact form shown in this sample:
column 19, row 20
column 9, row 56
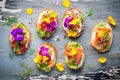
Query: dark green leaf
column 11, row 56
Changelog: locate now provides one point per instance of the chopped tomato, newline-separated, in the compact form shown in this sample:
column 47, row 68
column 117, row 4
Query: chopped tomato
column 43, row 25
column 51, row 19
column 78, row 56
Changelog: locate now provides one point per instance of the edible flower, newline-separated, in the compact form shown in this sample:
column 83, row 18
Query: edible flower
column 101, row 33
column 102, row 60
column 44, row 51
column 111, row 20
column 66, row 3
column 60, row 67
column 44, row 59
column 67, row 22
column 53, row 14
column 38, row 58
column 73, row 51
column 74, row 21
column 29, row 11
column 72, row 33
column 51, row 26
column 17, row 34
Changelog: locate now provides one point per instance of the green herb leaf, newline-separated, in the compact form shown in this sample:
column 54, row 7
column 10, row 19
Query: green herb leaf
column 10, row 20
column 11, row 56
column 90, row 66
column 25, row 73
column 90, row 12
column 101, row 25
column 32, row 51
column 22, row 64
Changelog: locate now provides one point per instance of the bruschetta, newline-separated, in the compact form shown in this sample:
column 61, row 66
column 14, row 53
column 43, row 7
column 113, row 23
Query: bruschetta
column 19, row 38
column 46, row 24
column 101, row 37
column 73, row 23
column 45, row 57
column 74, row 55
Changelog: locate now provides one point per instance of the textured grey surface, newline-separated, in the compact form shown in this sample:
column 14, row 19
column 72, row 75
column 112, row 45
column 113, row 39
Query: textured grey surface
column 10, row 69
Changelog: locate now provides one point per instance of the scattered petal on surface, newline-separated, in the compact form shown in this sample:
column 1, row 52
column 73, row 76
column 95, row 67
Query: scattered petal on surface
column 66, row 3
column 111, row 20
column 102, row 60
column 29, row 11
column 60, row 67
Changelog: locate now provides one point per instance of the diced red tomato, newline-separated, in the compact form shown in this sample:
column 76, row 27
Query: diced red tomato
column 51, row 19
column 43, row 25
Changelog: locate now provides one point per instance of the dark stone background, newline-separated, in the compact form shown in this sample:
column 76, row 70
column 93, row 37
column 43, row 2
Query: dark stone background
column 11, row 70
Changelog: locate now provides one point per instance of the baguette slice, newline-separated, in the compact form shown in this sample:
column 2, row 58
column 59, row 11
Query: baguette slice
column 74, row 55
column 101, row 37
column 46, row 23
column 19, row 47
column 45, row 61
column 73, row 23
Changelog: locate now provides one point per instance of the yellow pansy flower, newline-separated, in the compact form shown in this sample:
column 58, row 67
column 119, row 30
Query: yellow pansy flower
column 29, row 11
column 66, row 3
column 60, row 67
column 46, row 19
column 73, row 51
column 44, row 59
column 72, row 33
column 100, row 33
column 74, row 21
column 102, row 60
column 111, row 20
column 37, row 58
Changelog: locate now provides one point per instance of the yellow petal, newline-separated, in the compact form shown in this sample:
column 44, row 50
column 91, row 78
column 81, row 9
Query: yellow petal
column 29, row 11
column 102, row 60
column 53, row 14
column 72, row 33
column 101, row 33
column 60, row 67
column 45, row 59
column 46, row 19
column 73, row 51
column 111, row 20
column 37, row 58
column 75, row 21
column 66, row 3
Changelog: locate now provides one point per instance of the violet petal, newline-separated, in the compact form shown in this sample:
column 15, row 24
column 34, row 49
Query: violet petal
column 14, row 32
column 19, row 30
column 19, row 38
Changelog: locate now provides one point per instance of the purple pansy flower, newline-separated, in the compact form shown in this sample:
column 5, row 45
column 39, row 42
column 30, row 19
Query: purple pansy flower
column 44, row 51
column 67, row 22
column 51, row 26
column 17, row 34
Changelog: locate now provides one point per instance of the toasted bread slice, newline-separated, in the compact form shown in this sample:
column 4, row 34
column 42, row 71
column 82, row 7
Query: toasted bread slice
column 47, row 59
column 101, row 37
column 73, row 23
column 74, row 55
column 46, row 23
column 19, row 47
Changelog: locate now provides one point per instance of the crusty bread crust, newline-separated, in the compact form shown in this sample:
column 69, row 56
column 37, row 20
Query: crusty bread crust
column 37, row 25
column 82, row 21
column 92, row 36
column 55, row 54
column 29, row 40
column 80, row 61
